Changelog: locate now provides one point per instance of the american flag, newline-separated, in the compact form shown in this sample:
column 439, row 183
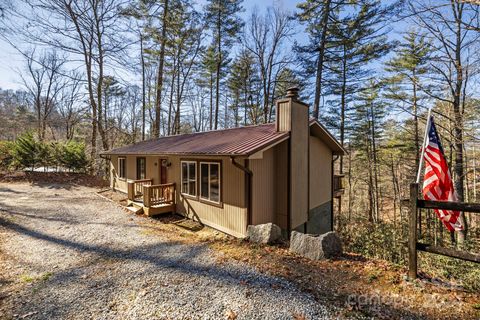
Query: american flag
column 437, row 182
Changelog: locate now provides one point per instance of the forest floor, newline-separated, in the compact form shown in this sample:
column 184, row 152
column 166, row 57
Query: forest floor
column 66, row 252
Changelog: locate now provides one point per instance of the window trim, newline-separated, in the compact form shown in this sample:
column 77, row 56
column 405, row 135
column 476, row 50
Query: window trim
column 124, row 178
column 182, row 161
column 197, row 197
column 207, row 200
column 137, row 166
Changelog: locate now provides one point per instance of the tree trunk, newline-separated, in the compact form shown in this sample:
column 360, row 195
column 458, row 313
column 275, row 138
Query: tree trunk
column 211, row 101
column 144, row 98
column 219, row 66
column 415, row 122
column 320, row 60
column 458, row 120
column 343, row 103
column 161, row 61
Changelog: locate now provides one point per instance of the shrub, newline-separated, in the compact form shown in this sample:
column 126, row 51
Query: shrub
column 26, row 151
column 387, row 241
column 74, row 157
column 30, row 153
column 6, row 157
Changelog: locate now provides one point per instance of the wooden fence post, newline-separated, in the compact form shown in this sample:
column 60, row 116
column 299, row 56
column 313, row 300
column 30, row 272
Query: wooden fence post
column 412, row 232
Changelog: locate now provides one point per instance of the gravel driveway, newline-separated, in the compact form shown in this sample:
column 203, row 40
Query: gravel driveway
column 68, row 254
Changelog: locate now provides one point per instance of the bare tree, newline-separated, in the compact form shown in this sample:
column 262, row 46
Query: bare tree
column 44, row 81
column 71, row 105
column 265, row 39
column 88, row 31
column 446, row 23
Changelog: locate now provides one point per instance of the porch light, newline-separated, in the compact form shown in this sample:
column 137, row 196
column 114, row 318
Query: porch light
column 165, row 163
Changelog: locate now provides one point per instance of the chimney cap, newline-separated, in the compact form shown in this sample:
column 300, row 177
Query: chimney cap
column 292, row 92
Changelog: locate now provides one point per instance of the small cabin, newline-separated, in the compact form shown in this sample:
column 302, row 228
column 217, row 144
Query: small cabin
column 280, row 172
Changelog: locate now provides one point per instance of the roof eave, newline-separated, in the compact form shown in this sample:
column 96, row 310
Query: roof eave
column 332, row 143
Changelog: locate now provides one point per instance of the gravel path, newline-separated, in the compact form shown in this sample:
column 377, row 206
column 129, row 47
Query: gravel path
column 68, row 254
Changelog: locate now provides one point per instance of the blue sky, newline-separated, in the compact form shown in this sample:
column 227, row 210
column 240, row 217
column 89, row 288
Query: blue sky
column 11, row 61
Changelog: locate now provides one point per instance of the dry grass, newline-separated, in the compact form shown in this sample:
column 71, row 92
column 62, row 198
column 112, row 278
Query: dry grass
column 353, row 285
column 53, row 177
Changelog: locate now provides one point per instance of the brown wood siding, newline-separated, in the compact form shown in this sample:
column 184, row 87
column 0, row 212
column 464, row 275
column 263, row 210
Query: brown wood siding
column 263, row 186
column 320, row 173
column 116, row 182
column 298, row 165
column 152, row 171
column 231, row 216
column 284, row 118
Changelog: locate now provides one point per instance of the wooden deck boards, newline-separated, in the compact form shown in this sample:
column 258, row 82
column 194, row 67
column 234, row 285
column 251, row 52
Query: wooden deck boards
column 152, row 210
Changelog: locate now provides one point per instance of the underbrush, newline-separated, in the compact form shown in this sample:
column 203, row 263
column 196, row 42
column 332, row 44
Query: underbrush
column 53, row 177
column 388, row 241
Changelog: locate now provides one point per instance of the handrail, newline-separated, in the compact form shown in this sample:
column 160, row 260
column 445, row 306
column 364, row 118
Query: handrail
column 140, row 180
column 158, row 194
column 413, row 244
column 448, row 205
column 135, row 188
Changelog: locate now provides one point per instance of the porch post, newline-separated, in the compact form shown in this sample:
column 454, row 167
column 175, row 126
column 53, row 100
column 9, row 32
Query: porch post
column 147, row 195
column 131, row 190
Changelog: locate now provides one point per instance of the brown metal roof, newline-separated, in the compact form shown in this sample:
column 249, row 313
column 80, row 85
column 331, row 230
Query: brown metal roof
column 236, row 141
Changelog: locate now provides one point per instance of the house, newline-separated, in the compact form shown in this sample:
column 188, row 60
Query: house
column 279, row 172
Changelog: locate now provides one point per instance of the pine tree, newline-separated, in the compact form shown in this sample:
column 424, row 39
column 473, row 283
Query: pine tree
column 357, row 39
column 222, row 17
column 369, row 119
column 318, row 15
column 207, row 79
column 243, row 76
column 405, row 86
column 26, row 151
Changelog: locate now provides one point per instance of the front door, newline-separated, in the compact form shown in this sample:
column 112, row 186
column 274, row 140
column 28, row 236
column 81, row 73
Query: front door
column 163, row 171
column 141, row 168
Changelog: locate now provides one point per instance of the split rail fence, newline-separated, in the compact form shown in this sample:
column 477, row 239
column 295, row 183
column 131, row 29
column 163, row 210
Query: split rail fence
column 414, row 246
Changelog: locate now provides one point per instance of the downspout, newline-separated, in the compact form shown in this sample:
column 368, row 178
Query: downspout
column 332, row 191
column 248, row 187
column 289, row 192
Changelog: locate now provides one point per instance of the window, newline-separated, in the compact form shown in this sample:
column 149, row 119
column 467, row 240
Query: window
column 122, row 168
column 210, row 181
column 141, row 168
column 189, row 178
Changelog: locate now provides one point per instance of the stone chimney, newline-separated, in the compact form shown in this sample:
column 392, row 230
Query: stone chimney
column 292, row 116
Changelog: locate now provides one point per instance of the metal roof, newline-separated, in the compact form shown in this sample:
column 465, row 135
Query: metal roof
column 242, row 141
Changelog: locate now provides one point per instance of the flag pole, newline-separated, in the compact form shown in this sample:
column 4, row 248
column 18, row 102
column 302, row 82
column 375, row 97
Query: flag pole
column 427, row 128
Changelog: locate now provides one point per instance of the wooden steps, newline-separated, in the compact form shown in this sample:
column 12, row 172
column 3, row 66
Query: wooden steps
column 135, row 207
column 138, row 208
column 159, row 209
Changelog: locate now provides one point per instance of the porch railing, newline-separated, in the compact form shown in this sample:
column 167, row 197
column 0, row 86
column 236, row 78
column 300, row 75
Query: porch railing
column 135, row 188
column 158, row 194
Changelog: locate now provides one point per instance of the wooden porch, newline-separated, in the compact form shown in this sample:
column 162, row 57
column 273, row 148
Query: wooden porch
column 143, row 196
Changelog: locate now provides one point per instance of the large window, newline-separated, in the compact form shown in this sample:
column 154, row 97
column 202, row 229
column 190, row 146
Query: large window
column 122, row 168
column 189, row 178
column 141, row 168
column 210, row 181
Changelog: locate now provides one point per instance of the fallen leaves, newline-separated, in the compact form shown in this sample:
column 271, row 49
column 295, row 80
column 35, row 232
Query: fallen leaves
column 230, row 315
